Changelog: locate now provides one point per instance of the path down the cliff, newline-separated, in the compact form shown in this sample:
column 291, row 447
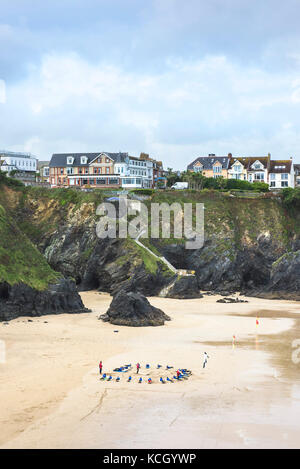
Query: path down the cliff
column 182, row 272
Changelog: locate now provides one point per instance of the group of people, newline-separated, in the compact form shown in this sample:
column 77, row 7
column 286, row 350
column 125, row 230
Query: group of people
column 180, row 373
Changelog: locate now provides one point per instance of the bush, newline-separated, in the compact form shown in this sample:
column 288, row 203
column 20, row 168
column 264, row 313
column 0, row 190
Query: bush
column 291, row 197
column 11, row 182
column 143, row 191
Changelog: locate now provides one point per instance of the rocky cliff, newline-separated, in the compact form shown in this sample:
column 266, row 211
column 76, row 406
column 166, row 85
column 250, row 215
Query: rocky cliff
column 28, row 285
column 246, row 240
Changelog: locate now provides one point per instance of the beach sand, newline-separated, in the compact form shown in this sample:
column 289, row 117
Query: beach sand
column 248, row 396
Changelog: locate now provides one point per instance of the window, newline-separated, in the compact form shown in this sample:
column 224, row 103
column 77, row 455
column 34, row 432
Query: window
column 198, row 169
column 70, row 160
column 272, row 184
column 284, row 183
column 83, row 160
column 272, row 176
column 128, row 181
column 259, row 177
column 217, row 169
column 284, row 176
column 100, row 181
column 107, row 170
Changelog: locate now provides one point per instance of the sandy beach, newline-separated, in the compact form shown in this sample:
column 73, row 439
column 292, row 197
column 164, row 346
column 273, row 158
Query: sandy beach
column 248, row 396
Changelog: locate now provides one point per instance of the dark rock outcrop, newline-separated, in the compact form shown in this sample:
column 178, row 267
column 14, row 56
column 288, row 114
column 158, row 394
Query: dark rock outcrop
column 22, row 300
column 231, row 300
column 182, row 288
column 133, row 309
column 284, row 279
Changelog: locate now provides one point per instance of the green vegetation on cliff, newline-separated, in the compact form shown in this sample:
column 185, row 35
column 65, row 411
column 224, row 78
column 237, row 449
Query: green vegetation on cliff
column 20, row 261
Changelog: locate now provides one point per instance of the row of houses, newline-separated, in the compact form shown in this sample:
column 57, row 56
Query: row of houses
column 100, row 169
column 114, row 170
column 105, row 169
column 276, row 173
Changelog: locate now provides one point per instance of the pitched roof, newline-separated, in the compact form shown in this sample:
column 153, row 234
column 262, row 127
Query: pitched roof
column 208, row 162
column 60, row 159
column 248, row 161
column 285, row 166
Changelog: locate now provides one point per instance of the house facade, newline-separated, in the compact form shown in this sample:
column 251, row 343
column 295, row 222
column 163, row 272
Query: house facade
column 211, row 165
column 43, row 172
column 155, row 171
column 297, row 175
column 85, row 169
column 281, row 174
column 23, row 165
column 249, row 168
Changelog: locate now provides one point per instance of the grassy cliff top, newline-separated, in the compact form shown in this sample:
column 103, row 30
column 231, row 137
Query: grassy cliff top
column 20, row 261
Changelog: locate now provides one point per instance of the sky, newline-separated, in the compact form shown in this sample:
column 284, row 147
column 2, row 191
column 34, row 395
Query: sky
column 170, row 78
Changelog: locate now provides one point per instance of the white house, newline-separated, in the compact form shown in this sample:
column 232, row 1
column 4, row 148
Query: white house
column 139, row 173
column 22, row 162
column 281, row 174
column 258, row 170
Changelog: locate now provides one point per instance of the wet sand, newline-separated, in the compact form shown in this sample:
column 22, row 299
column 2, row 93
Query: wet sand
column 248, row 396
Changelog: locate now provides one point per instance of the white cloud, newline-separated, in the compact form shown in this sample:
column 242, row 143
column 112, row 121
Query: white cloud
column 191, row 107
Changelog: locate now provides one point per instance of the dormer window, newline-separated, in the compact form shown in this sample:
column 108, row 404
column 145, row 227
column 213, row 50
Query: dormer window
column 257, row 165
column 237, row 167
column 70, row 160
column 217, row 168
column 83, row 160
column 198, row 167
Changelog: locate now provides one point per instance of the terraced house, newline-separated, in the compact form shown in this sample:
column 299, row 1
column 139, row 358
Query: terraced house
column 281, row 174
column 277, row 173
column 250, row 168
column 211, row 165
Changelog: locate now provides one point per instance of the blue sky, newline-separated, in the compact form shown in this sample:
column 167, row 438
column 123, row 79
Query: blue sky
column 171, row 78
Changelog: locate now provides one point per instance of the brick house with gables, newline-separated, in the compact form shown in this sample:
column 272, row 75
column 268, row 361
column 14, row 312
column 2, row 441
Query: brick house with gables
column 85, row 169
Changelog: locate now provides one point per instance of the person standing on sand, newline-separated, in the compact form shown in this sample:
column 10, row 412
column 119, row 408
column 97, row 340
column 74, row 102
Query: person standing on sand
column 138, row 366
column 205, row 359
column 100, row 367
